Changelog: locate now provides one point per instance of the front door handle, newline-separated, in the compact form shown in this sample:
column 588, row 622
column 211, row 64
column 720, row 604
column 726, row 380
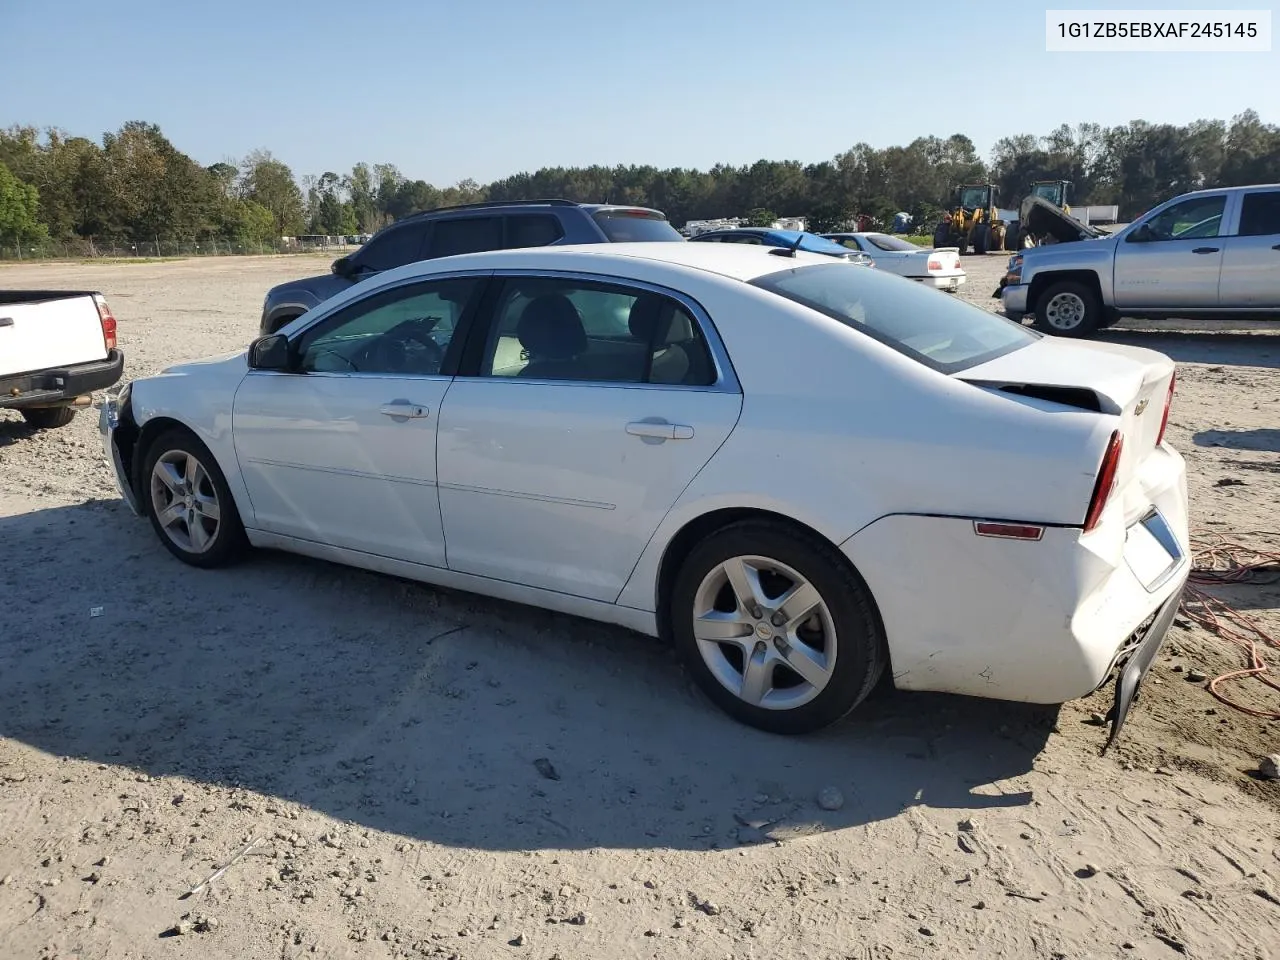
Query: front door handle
column 656, row 429
column 8, row 321
column 403, row 410
column 1205, row 250
column 1276, row 247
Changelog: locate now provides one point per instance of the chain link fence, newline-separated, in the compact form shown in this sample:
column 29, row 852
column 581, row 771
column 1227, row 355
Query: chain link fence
column 160, row 248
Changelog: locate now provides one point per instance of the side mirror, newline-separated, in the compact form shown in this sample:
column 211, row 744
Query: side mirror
column 341, row 267
column 269, row 353
column 1142, row 234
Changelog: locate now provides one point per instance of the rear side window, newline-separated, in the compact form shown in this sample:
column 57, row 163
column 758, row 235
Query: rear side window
column 883, row 241
column 532, row 230
column 939, row 331
column 627, row 226
column 394, row 248
column 579, row 330
column 1260, row 214
column 466, row 235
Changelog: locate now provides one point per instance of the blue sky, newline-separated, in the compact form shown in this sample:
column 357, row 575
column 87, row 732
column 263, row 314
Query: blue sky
column 486, row 88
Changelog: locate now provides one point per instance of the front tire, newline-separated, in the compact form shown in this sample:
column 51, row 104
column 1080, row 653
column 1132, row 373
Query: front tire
column 776, row 627
column 189, row 503
column 48, row 418
column 1068, row 309
column 981, row 239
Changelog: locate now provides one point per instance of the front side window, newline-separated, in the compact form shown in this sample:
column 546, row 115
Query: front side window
column 392, row 248
column 577, row 330
column 466, row 235
column 405, row 331
column 1260, row 214
column 1197, row 218
column 941, row 332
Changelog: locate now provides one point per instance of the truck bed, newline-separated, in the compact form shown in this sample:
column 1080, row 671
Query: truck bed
column 44, row 329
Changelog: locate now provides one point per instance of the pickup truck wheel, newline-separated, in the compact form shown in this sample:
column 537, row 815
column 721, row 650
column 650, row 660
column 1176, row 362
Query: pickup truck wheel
column 1068, row 309
column 49, row 418
column 189, row 503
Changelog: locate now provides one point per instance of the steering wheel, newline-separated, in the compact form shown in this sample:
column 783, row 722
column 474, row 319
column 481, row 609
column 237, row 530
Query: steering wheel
column 390, row 351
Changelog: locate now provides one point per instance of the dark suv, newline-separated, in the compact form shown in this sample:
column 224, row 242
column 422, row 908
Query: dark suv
column 443, row 232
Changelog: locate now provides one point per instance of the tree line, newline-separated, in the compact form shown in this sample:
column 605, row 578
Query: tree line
column 137, row 186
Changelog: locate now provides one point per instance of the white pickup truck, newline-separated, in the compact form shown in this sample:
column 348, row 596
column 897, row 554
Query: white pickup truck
column 56, row 348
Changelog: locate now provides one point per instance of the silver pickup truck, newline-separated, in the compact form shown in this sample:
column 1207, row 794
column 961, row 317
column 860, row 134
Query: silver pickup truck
column 1213, row 253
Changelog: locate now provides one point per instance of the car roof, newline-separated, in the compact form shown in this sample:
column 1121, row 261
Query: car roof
column 735, row 261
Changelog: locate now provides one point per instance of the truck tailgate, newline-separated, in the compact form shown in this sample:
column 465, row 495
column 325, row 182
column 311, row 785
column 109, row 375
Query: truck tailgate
column 57, row 332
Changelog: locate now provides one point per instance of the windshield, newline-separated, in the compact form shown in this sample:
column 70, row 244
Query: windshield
column 812, row 243
column 973, row 197
column 626, row 226
column 939, row 331
column 882, row 241
column 1049, row 191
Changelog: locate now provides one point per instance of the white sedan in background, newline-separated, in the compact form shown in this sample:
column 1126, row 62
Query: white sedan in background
column 802, row 475
column 933, row 266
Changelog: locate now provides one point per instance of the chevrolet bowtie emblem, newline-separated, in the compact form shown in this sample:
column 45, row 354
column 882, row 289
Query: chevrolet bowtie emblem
column 1142, row 405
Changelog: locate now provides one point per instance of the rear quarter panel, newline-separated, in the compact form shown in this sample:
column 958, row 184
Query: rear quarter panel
column 838, row 430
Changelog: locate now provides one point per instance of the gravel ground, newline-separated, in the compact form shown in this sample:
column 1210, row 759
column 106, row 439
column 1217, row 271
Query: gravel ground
column 431, row 774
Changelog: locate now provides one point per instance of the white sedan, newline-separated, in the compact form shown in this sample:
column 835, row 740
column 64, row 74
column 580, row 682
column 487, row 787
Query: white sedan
column 933, row 266
column 802, row 475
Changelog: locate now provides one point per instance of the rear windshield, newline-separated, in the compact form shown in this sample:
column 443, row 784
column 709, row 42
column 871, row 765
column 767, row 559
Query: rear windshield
column 885, row 242
column 935, row 328
column 627, row 226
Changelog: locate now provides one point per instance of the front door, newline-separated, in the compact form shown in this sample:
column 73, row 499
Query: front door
column 589, row 410
column 1251, row 259
column 1175, row 262
column 342, row 450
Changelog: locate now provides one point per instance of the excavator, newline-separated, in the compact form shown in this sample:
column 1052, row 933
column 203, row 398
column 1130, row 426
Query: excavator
column 1044, row 217
column 975, row 222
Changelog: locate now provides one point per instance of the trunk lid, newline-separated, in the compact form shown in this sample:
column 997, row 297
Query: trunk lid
column 41, row 331
column 1129, row 382
column 944, row 262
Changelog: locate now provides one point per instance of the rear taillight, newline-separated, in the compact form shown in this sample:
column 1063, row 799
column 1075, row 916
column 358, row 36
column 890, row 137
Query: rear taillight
column 1106, row 482
column 108, row 322
column 1168, row 403
column 935, row 264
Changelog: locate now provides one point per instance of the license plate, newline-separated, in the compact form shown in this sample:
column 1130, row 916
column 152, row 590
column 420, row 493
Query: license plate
column 1151, row 551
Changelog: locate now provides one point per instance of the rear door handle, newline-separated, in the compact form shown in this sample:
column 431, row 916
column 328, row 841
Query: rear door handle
column 1205, row 250
column 659, row 430
column 1276, row 247
column 8, row 321
column 403, row 409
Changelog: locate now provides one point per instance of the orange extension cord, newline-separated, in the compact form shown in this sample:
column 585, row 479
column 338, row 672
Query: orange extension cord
column 1219, row 560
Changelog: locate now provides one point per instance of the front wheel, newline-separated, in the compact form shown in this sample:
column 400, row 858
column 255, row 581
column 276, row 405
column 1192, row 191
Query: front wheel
column 1068, row 309
column 48, row 418
column 776, row 628
column 189, row 503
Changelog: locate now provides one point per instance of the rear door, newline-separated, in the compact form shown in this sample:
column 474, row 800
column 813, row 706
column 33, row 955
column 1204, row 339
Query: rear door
column 1251, row 258
column 460, row 235
column 56, row 331
column 582, row 411
column 1180, row 262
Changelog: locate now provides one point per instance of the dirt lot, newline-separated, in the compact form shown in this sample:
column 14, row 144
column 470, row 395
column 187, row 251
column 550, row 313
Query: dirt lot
column 379, row 739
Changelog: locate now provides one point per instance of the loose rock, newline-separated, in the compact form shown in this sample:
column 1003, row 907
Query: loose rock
column 1195, row 676
column 1269, row 768
column 830, row 798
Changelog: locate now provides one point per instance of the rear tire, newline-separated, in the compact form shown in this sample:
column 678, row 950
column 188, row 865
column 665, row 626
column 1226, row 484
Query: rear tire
column 941, row 234
column 743, row 661
column 1068, row 309
column 48, row 418
column 188, row 502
